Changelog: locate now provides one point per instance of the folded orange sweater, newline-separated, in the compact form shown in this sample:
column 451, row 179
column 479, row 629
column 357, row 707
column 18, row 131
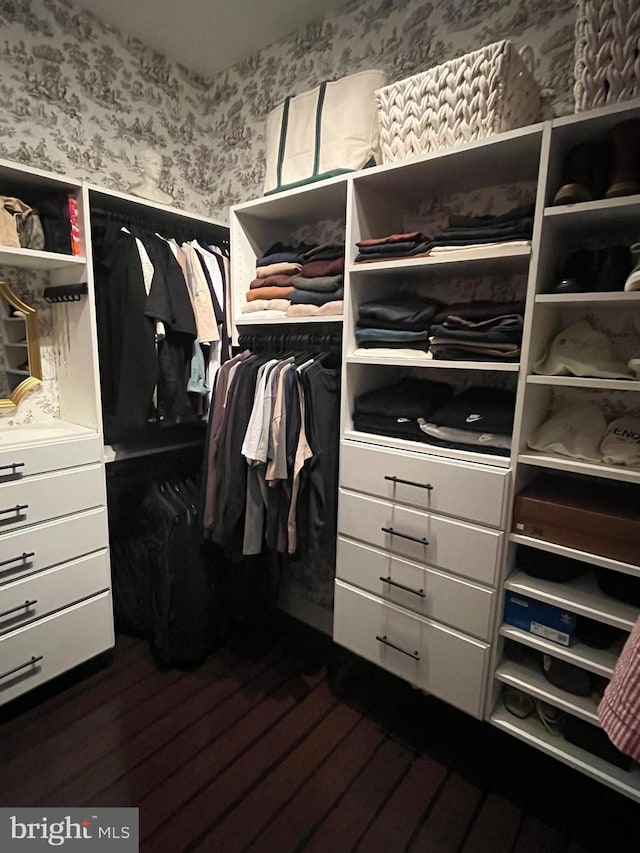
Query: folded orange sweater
column 269, row 293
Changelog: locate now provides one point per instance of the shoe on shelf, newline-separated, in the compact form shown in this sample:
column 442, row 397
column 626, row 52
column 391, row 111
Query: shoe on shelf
column 578, row 271
column 613, row 266
column 633, row 280
column 624, row 173
column 581, row 180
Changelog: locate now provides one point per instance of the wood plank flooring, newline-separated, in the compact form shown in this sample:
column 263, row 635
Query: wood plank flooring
column 282, row 742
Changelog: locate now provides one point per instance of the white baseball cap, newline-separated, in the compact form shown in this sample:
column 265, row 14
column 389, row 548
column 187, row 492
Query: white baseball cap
column 581, row 350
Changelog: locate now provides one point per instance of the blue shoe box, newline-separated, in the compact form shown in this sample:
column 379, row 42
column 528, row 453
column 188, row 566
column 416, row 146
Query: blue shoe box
column 536, row 617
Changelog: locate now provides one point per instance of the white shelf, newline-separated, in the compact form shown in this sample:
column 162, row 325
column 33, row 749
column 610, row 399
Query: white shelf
column 602, row 298
column 575, row 466
column 614, row 212
column 531, row 731
column 35, row 260
column 428, row 449
column 581, row 595
column 527, row 676
column 257, row 320
column 493, row 259
column 581, row 382
column 574, row 554
column 443, row 364
column 498, row 159
column 42, row 432
column 599, row 661
column 320, row 200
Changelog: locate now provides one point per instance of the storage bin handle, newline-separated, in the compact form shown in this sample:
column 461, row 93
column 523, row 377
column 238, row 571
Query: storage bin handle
column 393, row 479
column 391, row 582
column 34, row 659
column 392, row 532
column 383, row 639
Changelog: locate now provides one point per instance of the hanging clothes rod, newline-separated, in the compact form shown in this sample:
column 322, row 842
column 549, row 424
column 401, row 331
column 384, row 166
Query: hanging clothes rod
column 181, row 231
column 292, row 341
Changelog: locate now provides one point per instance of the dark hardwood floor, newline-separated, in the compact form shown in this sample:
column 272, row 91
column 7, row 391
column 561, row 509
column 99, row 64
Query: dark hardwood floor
column 283, row 742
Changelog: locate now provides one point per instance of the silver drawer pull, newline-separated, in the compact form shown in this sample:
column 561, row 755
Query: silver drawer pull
column 13, row 466
column 383, row 639
column 427, row 486
column 419, row 592
column 18, row 508
column 24, row 606
column 392, row 532
column 26, row 555
column 31, row 662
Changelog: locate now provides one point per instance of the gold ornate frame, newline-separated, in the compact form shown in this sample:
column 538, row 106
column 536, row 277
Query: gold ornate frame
column 33, row 348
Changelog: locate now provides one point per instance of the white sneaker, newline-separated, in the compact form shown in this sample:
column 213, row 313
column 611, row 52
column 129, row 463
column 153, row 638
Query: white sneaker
column 633, row 281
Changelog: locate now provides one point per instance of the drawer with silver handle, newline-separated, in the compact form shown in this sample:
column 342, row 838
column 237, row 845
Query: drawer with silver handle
column 441, row 661
column 37, row 652
column 455, row 546
column 53, row 495
column 429, row 592
column 463, row 490
column 35, row 596
column 32, row 549
column 29, row 460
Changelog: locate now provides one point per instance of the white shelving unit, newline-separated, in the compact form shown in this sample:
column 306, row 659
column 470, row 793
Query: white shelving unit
column 559, row 231
column 376, row 202
column 258, row 224
column 54, row 551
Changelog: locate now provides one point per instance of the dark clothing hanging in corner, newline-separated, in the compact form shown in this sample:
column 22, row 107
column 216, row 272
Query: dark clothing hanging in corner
column 132, row 365
column 126, row 335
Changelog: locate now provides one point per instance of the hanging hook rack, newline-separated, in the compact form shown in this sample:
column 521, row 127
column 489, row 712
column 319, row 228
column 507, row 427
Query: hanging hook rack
column 65, row 292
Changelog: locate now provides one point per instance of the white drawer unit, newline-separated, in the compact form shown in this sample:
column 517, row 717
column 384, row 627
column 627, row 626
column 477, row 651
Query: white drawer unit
column 44, row 649
column 39, row 459
column 455, row 546
column 37, row 499
column 463, row 490
column 436, row 659
column 32, row 549
column 429, row 592
column 35, row 596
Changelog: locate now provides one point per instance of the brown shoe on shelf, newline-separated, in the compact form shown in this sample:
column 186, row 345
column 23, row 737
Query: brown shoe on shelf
column 624, row 175
column 580, row 180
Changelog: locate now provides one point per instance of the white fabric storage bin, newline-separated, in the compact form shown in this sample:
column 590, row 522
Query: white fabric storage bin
column 323, row 132
column 488, row 91
column 607, row 52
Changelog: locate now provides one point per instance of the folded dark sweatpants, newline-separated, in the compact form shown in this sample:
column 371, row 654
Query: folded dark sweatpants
column 310, row 297
column 410, row 398
column 389, row 426
column 405, row 311
column 479, row 409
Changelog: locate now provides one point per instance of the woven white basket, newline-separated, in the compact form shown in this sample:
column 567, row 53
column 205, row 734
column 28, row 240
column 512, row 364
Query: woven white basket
column 485, row 92
column 607, row 52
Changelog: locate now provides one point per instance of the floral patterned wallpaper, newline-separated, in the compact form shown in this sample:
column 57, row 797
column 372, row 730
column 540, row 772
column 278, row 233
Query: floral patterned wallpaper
column 80, row 98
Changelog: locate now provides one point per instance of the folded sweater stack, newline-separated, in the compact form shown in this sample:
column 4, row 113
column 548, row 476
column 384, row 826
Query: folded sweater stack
column 514, row 227
column 478, row 331
column 402, row 321
column 307, row 277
